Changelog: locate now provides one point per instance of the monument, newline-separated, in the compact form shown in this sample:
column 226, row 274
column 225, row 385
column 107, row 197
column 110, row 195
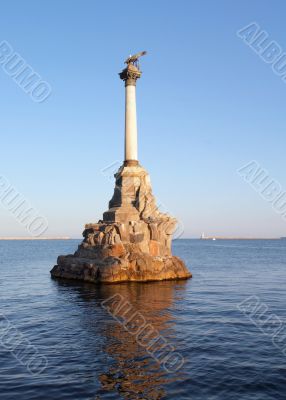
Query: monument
column 133, row 241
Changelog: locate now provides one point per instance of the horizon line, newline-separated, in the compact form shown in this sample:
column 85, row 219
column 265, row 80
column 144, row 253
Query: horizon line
column 182, row 238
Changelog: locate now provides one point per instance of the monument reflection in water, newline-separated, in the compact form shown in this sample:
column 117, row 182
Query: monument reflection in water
column 129, row 370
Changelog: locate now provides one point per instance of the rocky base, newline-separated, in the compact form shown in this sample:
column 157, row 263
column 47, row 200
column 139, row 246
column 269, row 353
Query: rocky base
column 131, row 243
column 126, row 264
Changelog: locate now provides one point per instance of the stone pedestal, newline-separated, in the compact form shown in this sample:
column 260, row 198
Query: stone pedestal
column 131, row 243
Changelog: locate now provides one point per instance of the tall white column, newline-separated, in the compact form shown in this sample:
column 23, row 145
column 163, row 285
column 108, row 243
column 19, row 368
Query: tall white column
column 130, row 123
column 129, row 75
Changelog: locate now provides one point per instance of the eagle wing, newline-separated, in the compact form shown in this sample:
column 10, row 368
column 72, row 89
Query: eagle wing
column 135, row 57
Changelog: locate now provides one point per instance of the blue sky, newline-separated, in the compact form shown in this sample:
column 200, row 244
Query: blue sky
column 207, row 104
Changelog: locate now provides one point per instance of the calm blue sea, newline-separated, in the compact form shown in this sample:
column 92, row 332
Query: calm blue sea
column 90, row 356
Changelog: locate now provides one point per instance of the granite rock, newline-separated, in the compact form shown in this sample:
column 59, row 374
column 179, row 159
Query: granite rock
column 131, row 243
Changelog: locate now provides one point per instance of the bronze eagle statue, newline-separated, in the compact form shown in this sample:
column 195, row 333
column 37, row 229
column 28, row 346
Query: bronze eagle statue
column 134, row 58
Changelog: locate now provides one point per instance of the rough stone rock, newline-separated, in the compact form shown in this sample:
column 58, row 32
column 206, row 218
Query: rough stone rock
column 134, row 266
column 132, row 243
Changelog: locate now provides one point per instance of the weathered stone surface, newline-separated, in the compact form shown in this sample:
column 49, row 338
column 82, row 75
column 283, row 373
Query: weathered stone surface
column 116, row 250
column 135, row 266
column 132, row 243
column 154, row 248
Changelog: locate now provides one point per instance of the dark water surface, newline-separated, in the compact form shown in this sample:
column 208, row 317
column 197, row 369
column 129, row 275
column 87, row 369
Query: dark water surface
column 89, row 354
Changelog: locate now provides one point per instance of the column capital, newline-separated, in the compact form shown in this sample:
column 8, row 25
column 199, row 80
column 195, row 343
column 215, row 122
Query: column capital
column 130, row 74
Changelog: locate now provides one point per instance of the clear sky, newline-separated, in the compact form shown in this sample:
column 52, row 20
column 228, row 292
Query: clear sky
column 207, row 105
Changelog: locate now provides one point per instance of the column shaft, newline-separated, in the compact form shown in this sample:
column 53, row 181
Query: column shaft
column 130, row 123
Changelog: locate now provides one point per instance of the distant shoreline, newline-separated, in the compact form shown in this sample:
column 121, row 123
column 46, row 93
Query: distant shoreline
column 198, row 238
column 233, row 238
column 239, row 238
column 37, row 238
